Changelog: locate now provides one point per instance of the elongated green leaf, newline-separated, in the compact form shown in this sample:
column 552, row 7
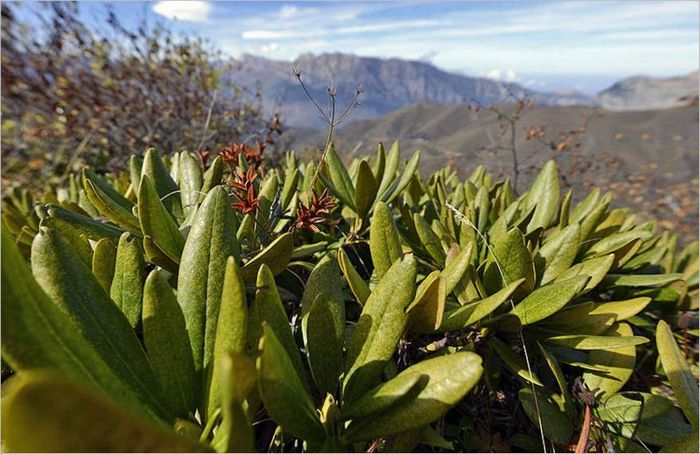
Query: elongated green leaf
column 514, row 362
column 135, row 166
column 392, row 164
column 615, row 242
column 579, row 319
column 341, row 184
column 37, row 334
column 641, row 280
column 429, row 240
column 456, row 269
column 167, row 344
column 275, row 256
column 510, row 260
column 381, row 324
column 286, row 398
column 585, row 342
column 398, row 186
column 324, row 278
column 74, row 289
column 62, row 219
column 595, row 269
column 164, row 185
column 622, row 309
column 46, row 413
column 103, row 260
column 684, row 384
column 231, row 330
column 212, row 239
column 366, row 190
column 129, row 274
column 549, row 299
column 324, row 346
column 559, row 252
column 544, row 194
column 403, row 388
column 109, row 207
column 545, row 412
column 238, row 376
column 449, row 379
column 358, row 286
column 157, row 223
column 379, row 161
column 212, row 177
column 619, row 363
column 268, row 308
column 426, row 311
column 473, row 312
column 191, row 180
column 384, row 242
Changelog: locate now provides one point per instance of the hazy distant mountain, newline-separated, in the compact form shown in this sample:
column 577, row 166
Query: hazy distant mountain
column 643, row 93
column 388, row 85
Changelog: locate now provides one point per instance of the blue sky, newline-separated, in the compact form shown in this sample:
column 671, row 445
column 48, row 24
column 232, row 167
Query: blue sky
column 581, row 45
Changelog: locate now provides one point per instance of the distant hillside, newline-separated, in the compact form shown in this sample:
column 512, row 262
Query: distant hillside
column 643, row 93
column 388, row 85
column 648, row 159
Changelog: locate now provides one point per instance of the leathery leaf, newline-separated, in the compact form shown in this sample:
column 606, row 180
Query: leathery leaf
column 129, row 274
column 547, row 300
column 384, row 242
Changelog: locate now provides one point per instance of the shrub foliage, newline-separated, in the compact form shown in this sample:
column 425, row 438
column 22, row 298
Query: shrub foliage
column 213, row 304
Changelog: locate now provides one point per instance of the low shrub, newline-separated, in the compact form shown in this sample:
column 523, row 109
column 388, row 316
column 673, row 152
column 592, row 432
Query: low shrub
column 192, row 305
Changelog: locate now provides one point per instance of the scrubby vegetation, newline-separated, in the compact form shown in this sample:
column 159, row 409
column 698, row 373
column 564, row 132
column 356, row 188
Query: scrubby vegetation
column 217, row 302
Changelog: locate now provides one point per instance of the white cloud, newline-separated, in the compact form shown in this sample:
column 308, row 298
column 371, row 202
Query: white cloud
column 507, row 76
column 190, row 11
column 288, row 11
column 269, row 48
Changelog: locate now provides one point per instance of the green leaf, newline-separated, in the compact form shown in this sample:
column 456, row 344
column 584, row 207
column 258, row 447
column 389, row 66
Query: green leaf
column 683, row 382
column 238, row 376
column 510, row 260
column 619, row 363
column 231, row 329
column 167, row 344
column 392, row 164
column 275, row 256
column 473, row 312
column 74, row 289
column 268, row 308
column 212, row 177
column 426, row 311
column 514, row 362
column 622, row 414
column 46, row 413
column 384, row 242
column 622, row 310
column 164, row 185
column 376, row 334
column 358, row 286
column 37, row 334
column 324, row 278
column 157, row 223
column 596, row 269
column 129, row 274
column 456, row 269
column 324, row 346
column 211, row 241
column 112, row 208
column 285, row 396
column 429, row 240
column 341, row 184
column 62, row 219
column 584, row 342
column 554, row 423
column 103, row 260
column 398, row 186
column 544, row 195
column 615, row 242
column 547, row 300
column 365, row 191
column 449, row 379
column 191, row 180
column 641, row 280
column 559, row 252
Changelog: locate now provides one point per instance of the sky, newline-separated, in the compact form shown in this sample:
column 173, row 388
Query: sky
column 581, row 45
